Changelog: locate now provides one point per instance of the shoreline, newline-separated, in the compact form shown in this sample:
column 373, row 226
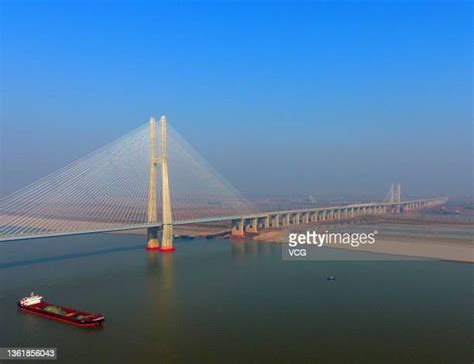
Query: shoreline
column 401, row 236
column 441, row 242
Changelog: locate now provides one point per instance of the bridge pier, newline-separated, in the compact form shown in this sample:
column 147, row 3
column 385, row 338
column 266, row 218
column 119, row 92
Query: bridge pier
column 275, row 221
column 237, row 229
column 305, row 217
column 296, row 218
column 167, row 239
column 252, row 228
column 266, row 222
column 152, row 237
column 323, row 215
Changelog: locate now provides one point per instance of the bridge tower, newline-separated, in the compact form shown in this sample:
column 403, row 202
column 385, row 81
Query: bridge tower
column 398, row 194
column 167, row 236
column 167, row 230
column 391, row 193
column 398, row 198
column 152, row 232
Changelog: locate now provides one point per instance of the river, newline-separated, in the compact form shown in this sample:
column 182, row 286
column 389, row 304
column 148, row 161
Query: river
column 226, row 301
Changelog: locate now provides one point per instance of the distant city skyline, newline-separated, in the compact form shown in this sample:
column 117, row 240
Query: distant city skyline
column 330, row 99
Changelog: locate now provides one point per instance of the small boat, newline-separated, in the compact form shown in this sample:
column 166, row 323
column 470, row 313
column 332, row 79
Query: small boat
column 34, row 304
column 331, row 278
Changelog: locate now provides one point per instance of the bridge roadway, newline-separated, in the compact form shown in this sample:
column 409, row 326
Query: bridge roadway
column 251, row 223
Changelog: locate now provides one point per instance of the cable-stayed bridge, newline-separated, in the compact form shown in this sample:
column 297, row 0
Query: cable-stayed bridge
column 141, row 181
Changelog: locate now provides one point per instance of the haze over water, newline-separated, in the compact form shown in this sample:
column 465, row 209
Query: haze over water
column 233, row 301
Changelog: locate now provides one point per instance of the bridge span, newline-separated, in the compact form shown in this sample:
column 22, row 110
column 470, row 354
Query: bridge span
column 253, row 223
column 116, row 189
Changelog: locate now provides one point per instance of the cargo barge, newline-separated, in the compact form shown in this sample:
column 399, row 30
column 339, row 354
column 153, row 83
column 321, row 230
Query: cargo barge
column 34, row 304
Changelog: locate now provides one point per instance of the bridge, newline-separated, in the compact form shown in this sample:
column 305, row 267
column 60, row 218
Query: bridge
column 252, row 224
column 116, row 188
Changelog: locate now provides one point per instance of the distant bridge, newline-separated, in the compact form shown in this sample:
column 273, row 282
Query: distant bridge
column 252, row 224
column 115, row 189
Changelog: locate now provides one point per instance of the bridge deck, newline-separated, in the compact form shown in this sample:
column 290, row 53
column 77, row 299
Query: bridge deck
column 212, row 219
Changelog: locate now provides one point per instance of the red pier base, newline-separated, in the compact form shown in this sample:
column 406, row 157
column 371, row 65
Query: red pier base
column 167, row 250
column 153, row 249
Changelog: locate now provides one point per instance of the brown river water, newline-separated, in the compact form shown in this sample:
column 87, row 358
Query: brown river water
column 234, row 301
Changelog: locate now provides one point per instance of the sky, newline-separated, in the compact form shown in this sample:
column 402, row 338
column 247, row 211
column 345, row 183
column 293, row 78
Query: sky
column 331, row 99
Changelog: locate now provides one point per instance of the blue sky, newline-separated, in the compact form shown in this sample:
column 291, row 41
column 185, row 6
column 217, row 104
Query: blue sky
column 324, row 98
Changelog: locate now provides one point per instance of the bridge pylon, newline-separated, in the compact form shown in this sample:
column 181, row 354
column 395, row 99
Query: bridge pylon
column 167, row 229
column 394, row 198
column 152, row 232
column 167, row 235
column 398, row 199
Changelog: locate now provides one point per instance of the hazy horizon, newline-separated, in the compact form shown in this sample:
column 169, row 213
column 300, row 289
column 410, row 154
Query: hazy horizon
column 328, row 99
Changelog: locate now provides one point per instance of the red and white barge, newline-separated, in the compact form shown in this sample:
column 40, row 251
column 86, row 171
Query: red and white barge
column 35, row 305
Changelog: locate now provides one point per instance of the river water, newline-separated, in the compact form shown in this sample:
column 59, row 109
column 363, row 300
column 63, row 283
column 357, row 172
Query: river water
column 233, row 301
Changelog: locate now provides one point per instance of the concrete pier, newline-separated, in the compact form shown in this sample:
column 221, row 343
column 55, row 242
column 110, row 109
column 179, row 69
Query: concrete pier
column 237, row 228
